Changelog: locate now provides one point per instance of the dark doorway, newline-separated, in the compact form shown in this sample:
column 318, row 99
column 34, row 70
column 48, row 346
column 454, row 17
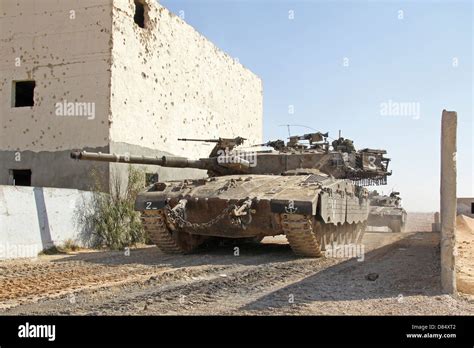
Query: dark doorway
column 21, row 177
column 24, row 93
column 139, row 17
column 472, row 208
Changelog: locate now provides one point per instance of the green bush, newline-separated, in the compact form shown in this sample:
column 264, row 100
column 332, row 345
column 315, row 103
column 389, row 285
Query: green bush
column 112, row 218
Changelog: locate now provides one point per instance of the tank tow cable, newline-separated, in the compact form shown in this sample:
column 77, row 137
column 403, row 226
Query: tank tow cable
column 243, row 215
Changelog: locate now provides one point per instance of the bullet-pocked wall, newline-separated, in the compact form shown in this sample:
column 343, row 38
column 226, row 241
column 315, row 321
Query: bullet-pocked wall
column 97, row 74
column 54, row 71
column 170, row 82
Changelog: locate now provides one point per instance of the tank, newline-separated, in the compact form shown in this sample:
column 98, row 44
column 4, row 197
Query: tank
column 387, row 211
column 307, row 189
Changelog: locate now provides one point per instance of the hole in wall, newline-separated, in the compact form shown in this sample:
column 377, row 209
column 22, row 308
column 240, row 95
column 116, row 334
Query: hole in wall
column 139, row 16
column 23, row 93
column 21, row 177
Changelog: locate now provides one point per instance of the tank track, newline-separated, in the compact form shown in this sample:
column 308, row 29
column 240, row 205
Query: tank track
column 309, row 240
column 154, row 223
column 298, row 229
column 304, row 238
column 343, row 234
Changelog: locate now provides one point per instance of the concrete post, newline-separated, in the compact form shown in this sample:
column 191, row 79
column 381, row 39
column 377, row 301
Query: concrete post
column 435, row 226
column 448, row 200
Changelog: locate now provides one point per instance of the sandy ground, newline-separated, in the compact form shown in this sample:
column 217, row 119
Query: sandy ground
column 265, row 278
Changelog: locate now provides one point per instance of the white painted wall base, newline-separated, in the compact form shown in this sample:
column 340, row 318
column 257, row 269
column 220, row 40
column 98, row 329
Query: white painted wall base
column 36, row 218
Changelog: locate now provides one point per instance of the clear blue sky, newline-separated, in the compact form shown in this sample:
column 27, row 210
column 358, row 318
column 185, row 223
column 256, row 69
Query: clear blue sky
column 407, row 56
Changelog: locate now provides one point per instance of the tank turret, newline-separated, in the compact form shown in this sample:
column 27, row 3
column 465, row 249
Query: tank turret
column 365, row 167
column 387, row 211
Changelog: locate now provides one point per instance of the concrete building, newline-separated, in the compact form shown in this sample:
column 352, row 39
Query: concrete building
column 465, row 206
column 112, row 76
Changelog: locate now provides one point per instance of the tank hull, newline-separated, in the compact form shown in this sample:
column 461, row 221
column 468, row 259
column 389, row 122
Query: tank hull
column 391, row 217
column 244, row 206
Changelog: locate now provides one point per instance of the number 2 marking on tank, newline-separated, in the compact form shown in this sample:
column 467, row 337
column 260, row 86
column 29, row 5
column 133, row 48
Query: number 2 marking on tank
column 148, row 206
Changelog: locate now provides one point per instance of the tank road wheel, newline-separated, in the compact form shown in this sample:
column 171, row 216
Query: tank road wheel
column 324, row 234
column 352, row 233
column 332, row 229
column 341, row 233
column 320, row 231
column 336, row 234
column 347, row 238
column 359, row 232
column 326, row 231
column 299, row 232
column 170, row 242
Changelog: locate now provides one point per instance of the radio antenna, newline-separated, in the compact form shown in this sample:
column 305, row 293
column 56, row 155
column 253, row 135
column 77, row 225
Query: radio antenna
column 295, row 125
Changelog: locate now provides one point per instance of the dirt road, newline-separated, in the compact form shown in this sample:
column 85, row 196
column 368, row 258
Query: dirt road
column 264, row 278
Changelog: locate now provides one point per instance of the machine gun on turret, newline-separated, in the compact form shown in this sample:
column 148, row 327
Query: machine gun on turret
column 316, row 141
column 278, row 145
column 343, row 145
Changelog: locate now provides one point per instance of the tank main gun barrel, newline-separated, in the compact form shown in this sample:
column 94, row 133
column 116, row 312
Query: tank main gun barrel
column 202, row 140
column 164, row 161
